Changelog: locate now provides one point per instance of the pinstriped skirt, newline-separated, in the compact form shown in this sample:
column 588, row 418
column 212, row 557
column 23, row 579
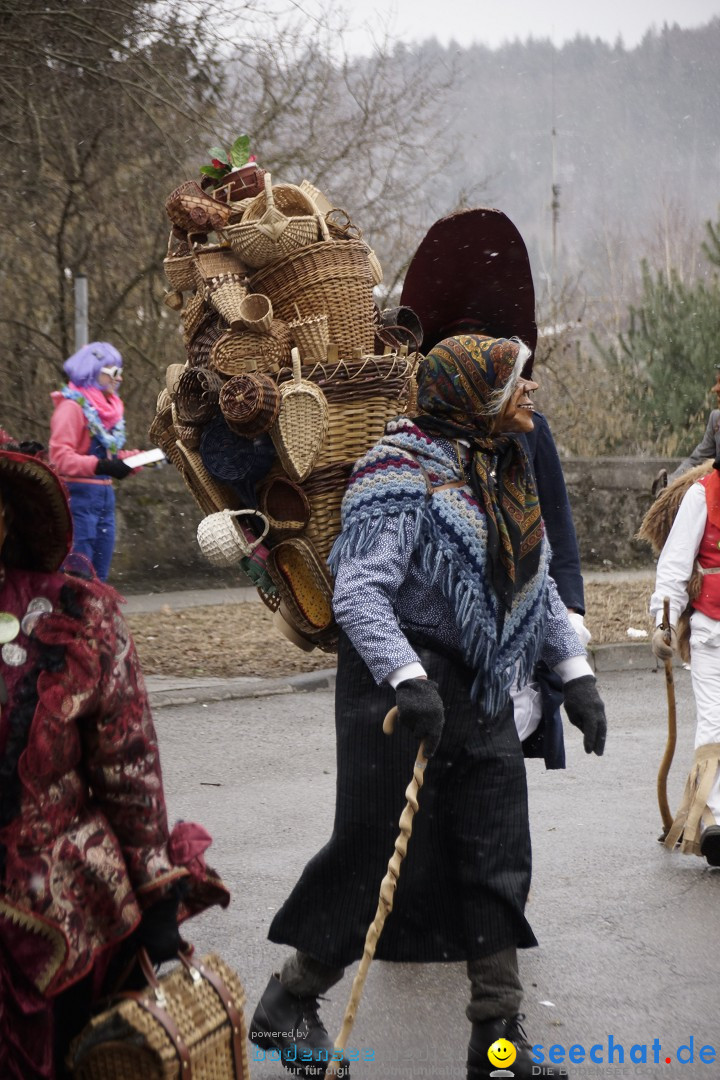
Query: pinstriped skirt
column 463, row 885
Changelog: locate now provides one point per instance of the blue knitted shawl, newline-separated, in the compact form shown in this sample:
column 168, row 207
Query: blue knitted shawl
column 450, row 537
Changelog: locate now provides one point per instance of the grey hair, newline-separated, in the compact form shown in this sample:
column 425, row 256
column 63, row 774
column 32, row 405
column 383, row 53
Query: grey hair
column 500, row 397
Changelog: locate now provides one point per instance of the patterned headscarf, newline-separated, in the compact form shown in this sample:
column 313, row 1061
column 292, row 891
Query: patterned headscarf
column 456, row 383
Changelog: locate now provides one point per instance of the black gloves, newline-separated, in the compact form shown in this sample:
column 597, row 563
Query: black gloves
column 112, row 467
column 420, row 709
column 586, row 711
column 158, row 930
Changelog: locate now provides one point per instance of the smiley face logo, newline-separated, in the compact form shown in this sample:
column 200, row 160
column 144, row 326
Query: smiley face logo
column 502, row 1053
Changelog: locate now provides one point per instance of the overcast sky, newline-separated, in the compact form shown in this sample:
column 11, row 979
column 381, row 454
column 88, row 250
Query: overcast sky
column 492, row 22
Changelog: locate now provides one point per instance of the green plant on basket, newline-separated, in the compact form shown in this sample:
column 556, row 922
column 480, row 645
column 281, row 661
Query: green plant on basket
column 224, row 162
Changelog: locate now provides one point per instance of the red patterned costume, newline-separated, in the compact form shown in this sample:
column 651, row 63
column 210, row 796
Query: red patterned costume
column 84, row 841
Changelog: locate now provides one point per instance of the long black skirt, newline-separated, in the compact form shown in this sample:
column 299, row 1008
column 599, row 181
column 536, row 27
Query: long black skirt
column 464, row 882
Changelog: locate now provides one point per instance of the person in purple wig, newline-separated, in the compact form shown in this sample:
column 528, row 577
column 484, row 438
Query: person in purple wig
column 87, row 436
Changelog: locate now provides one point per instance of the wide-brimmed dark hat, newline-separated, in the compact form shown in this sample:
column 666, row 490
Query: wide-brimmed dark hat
column 39, row 522
column 471, row 274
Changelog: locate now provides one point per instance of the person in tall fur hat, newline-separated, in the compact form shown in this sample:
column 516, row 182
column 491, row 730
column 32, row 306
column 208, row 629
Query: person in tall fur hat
column 443, row 598
column 684, row 523
column 471, row 274
column 89, row 869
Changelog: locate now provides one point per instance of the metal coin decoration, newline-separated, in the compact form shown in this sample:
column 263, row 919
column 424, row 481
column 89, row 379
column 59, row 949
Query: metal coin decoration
column 9, row 627
column 30, row 621
column 13, row 655
column 40, row 603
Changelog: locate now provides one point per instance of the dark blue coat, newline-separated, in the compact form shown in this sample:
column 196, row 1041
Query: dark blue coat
column 547, row 741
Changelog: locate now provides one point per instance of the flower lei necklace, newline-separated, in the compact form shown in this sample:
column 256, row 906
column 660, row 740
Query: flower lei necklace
column 112, row 440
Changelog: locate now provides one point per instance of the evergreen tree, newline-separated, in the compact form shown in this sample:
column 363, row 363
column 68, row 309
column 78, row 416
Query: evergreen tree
column 667, row 355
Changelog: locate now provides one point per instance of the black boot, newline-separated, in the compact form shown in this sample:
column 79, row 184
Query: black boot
column 291, row 1029
column 522, row 1066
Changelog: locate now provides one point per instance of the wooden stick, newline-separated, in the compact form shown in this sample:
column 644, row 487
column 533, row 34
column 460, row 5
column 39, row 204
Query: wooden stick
column 667, row 818
column 387, row 891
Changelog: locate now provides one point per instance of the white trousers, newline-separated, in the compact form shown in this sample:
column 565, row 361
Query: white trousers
column 705, row 673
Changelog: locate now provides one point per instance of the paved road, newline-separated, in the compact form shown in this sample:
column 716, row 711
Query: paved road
column 628, row 933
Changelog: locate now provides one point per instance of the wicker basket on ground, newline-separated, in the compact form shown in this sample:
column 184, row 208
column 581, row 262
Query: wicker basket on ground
column 333, row 277
column 241, row 351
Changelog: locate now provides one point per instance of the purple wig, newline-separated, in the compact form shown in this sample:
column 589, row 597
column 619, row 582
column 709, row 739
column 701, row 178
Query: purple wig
column 83, row 367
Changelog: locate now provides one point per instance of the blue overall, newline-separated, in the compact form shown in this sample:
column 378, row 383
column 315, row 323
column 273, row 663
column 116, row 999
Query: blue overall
column 93, row 513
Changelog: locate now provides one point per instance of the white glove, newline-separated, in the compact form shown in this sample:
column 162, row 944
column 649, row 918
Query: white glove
column 660, row 647
column 578, row 624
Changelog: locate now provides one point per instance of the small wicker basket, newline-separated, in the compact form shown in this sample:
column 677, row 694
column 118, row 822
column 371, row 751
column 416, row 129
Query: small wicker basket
column 250, row 404
column 304, row 584
column 212, row 260
column 193, row 315
column 275, row 223
column 187, row 432
column 286, row 507
column 197, row 395
column 310, row 334
column 226, row 294
column 224, row 541
column 172, row 377
column 193, row 210
column 237, row 352
column 256, row 313
column 179, row 264
column 300, row 429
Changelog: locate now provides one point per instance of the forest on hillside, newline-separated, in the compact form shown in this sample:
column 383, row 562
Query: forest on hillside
column 606, row 158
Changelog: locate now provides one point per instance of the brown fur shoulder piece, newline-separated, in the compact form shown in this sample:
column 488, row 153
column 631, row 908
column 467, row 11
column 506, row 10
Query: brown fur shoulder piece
column 658, row 521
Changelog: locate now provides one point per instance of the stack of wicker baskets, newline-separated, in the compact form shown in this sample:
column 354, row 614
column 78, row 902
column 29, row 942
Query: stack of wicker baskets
column 281, row 392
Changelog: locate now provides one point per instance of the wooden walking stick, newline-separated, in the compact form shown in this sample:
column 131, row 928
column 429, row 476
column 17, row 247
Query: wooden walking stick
column 387, row 891
column 667, row 818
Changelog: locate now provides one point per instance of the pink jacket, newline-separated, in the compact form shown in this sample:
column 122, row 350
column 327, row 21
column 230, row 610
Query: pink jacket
column 70, row 443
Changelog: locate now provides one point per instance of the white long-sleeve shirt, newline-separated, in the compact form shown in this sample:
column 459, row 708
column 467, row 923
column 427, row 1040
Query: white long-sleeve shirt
column 677, row 558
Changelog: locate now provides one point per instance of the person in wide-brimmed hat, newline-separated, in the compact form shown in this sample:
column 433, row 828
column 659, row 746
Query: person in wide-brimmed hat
column 84, row 878
column 471, row 274
column 87, row 437
column 443, row 598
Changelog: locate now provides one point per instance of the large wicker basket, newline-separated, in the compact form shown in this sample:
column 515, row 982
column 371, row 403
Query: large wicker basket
column 190, row 1023
column 333, row 278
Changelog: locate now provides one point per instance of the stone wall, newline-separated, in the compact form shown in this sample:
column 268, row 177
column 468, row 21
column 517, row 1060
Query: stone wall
column 157, row 520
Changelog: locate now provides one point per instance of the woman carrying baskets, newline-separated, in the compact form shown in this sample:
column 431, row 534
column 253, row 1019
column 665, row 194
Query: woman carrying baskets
column 443, row 597
column 89, row 869
column 87, row 436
